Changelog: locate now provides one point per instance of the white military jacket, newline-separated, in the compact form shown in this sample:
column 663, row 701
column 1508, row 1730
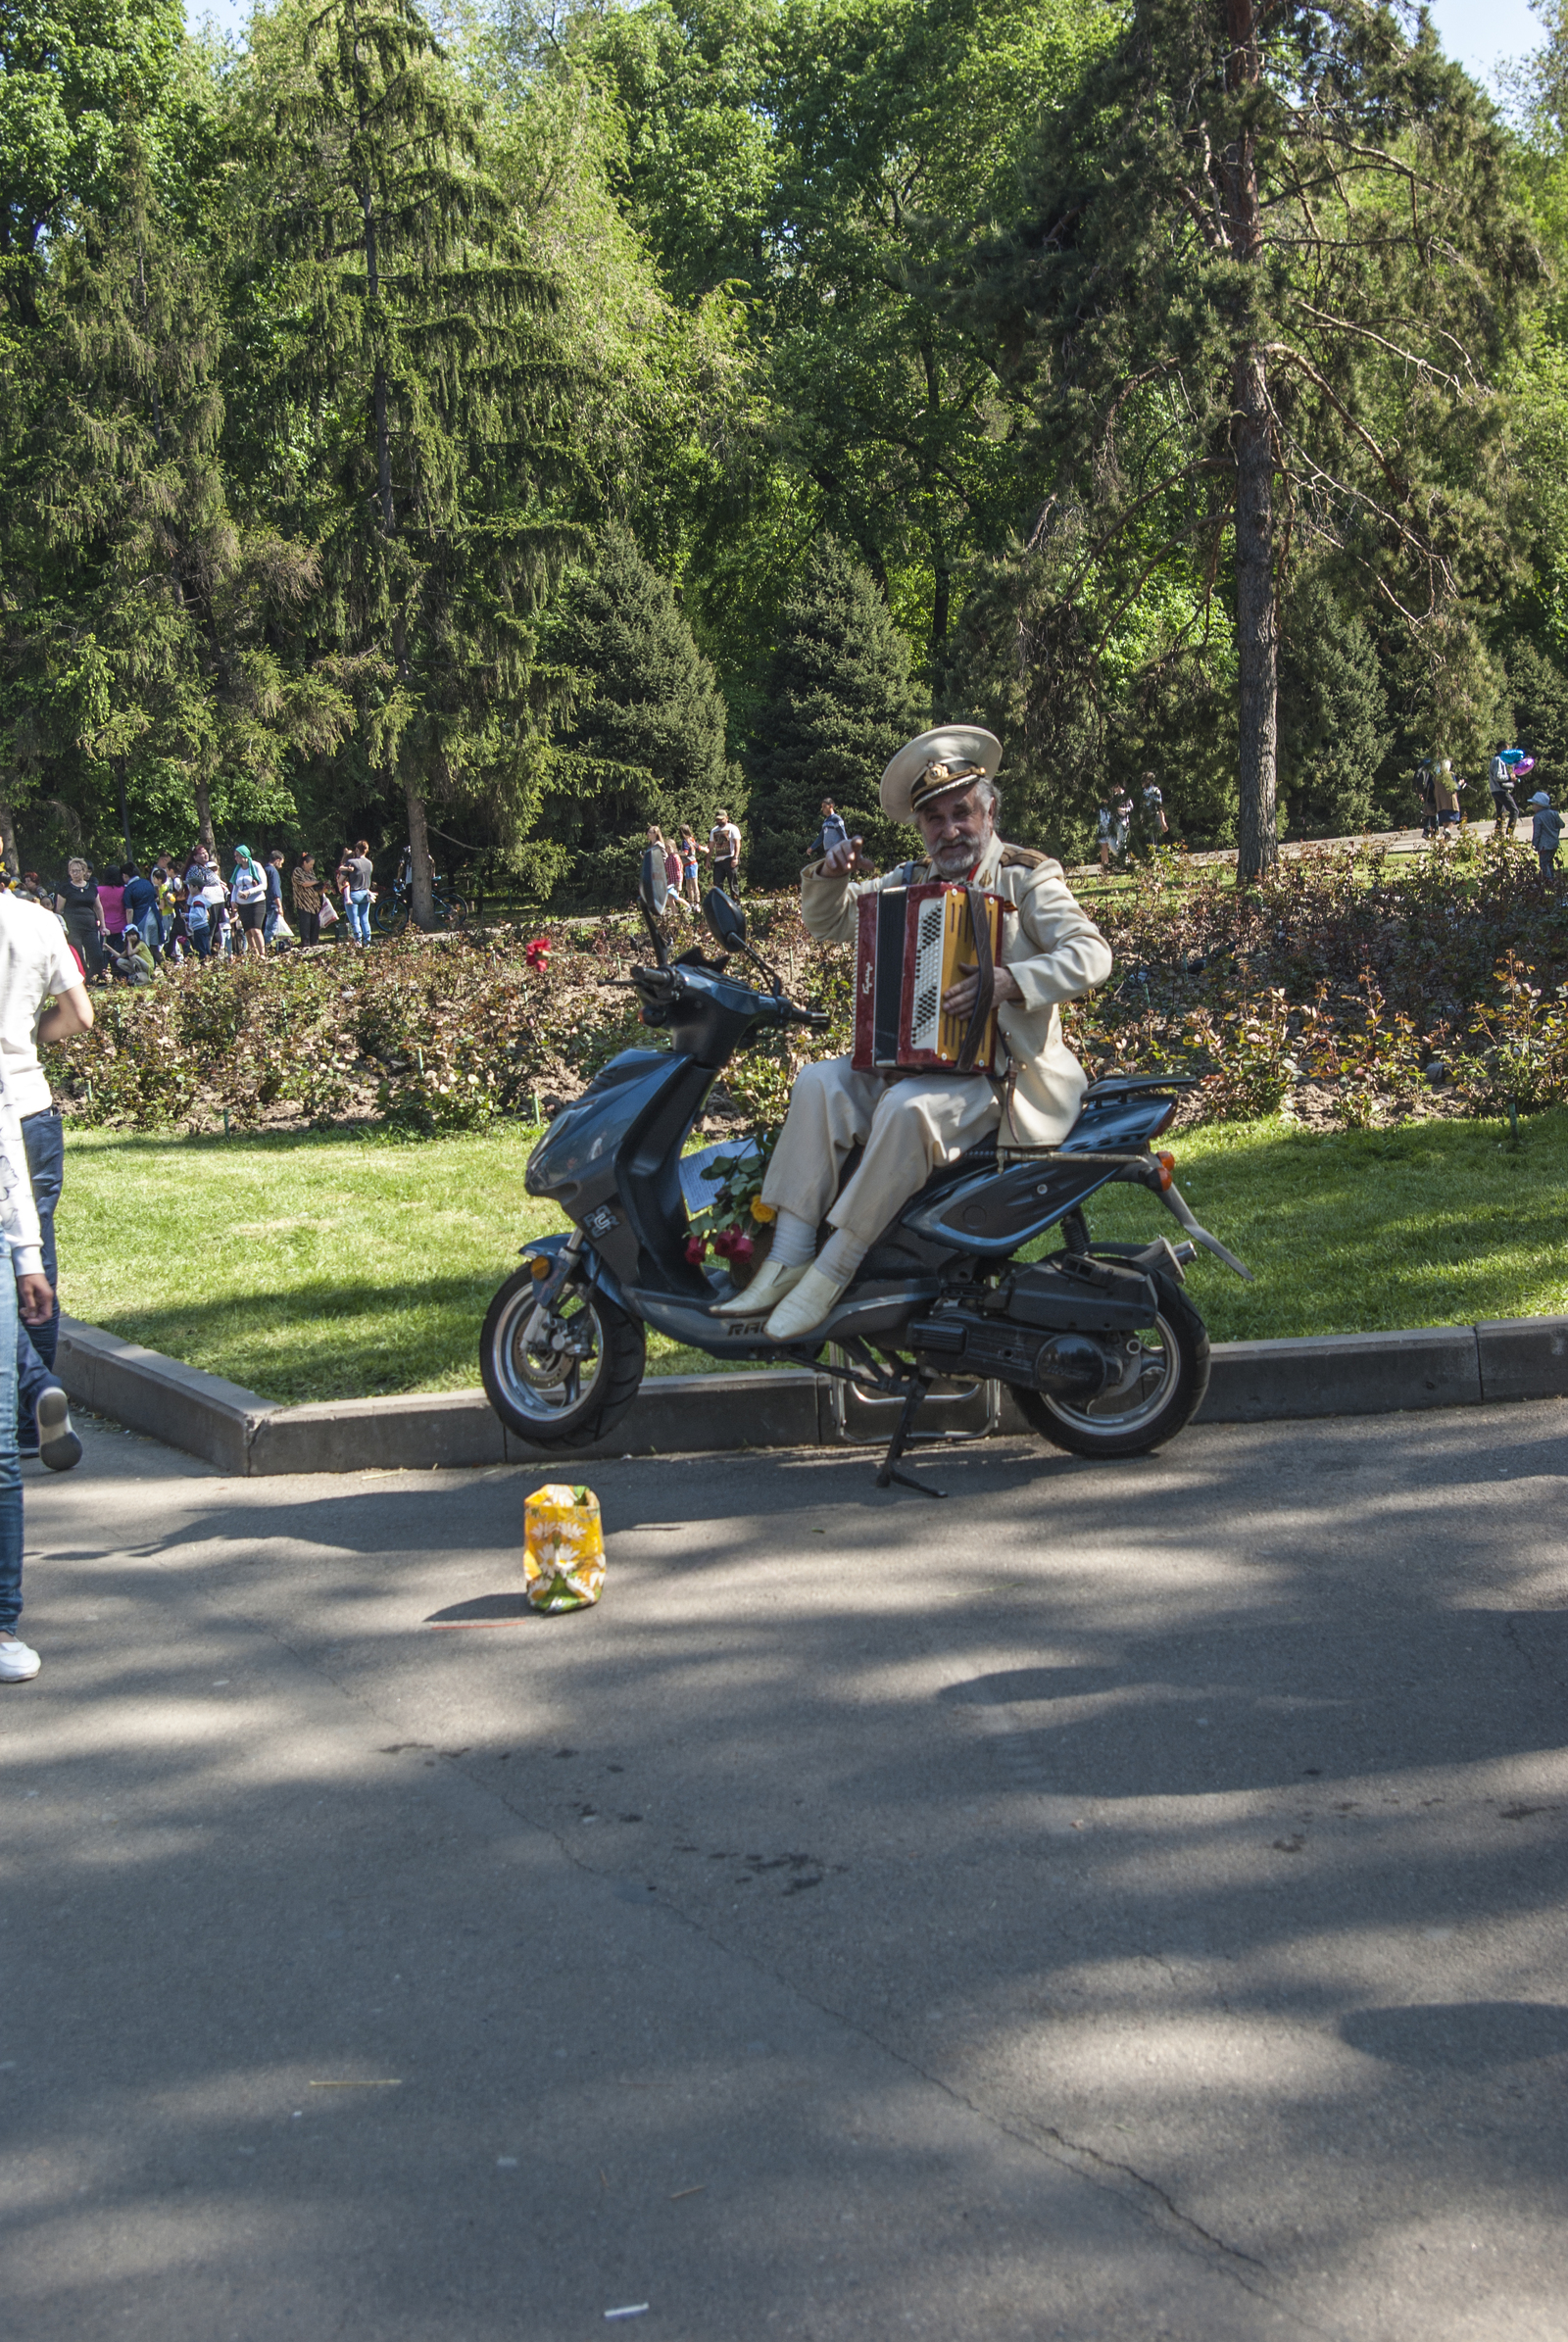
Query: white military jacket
column 1052, row 949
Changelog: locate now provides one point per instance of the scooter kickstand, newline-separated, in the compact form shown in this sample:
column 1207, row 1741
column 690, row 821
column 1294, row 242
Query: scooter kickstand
column 888, row 1470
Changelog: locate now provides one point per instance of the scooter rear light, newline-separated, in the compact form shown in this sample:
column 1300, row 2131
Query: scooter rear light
column 1164, row 1122
column 1167, row 1170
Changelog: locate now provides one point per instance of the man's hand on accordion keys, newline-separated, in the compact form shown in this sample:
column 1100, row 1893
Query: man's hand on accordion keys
column 959, row 998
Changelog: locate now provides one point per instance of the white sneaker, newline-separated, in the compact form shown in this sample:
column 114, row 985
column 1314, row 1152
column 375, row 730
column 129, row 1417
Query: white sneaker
column 58, row 1444
column 765, row 1290
column 18, row 1664
column 816, row 1298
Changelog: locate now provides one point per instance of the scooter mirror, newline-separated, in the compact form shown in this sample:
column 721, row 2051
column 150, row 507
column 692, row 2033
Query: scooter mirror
column 726, row 918
column 653, row 887
column 652, row 895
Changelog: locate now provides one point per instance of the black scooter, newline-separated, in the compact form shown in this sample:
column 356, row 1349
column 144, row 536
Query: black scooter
column 1099, row 1345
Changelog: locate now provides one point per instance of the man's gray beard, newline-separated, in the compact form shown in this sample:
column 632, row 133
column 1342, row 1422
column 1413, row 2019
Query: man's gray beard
column 957, row 862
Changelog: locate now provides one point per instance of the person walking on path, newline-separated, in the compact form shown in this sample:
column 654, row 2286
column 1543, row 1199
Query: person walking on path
column 724, row 844
column 356, row 877
column 35, row 965
column 141, row 910
column 248, row 894
column 1104, row 835
column 112, row 903
column 833, row 832
column 25, row 1291
column 1499, row 780
column 1157, row 829
column 305, row 888
column 77, row 904
column 204, row 896
column 1445, row 796
column 691, row 885
column 273, row 873
column 670, row 861
column 165, row 884
column 1545, row 833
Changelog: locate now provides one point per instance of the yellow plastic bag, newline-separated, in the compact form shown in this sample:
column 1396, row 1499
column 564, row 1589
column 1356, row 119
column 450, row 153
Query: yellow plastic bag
column 563, row 1548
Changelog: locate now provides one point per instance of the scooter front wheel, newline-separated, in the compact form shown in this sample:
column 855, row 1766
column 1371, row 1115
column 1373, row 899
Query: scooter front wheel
column 570, row 1383
column 1161, row 1390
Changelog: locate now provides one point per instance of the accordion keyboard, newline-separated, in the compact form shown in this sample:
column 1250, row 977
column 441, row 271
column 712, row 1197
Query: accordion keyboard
column 925, row 1006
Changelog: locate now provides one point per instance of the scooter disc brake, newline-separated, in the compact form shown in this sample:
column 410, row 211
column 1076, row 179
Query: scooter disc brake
column 547, row 1365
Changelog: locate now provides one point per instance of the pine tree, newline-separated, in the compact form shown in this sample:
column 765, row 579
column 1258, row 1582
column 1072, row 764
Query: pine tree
column 646, row 742
column 1334, row 728
column 152, row 631
column 1264, row 277
column 1540, row 689
column 841, row 701
column 417, row 350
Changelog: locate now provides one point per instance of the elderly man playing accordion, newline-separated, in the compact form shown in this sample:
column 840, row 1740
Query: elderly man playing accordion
column 910, row 1123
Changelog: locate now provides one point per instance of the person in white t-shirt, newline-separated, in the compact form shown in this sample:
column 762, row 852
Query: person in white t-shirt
column 724, row 845
column 35, row 962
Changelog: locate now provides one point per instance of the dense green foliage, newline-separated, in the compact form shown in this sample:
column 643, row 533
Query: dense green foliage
column 840, row 703
column 390, row 423
column 646, row 742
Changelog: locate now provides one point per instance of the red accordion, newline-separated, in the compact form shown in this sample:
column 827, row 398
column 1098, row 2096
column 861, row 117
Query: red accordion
column 914, row 944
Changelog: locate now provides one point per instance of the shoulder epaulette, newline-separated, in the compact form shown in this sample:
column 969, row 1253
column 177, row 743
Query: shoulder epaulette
column 1022, row 857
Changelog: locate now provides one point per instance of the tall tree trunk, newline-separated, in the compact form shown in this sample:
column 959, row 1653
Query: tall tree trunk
column 1257, row 609
column 423, row 894
column 7, row 842
column 204, row 818
column 1256, row 618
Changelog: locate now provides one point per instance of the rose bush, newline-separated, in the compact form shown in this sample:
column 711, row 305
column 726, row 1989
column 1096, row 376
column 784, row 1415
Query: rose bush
column 1342, row 982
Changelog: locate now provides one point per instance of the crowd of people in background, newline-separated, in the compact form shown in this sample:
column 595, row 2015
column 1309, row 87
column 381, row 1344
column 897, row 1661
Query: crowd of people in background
column 124, row 922
column 1441, row 792
column 684, row 854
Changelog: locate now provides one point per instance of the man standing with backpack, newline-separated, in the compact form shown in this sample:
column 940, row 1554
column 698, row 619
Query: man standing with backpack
column 724, row 844
column 832, row 832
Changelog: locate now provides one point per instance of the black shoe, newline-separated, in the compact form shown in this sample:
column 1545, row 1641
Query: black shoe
column 58, row 1444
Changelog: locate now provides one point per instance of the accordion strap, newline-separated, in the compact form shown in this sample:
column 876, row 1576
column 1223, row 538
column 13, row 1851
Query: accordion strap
column 986, row 985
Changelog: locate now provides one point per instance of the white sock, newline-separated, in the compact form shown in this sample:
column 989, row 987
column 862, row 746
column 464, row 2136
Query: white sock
column 793, row 1241
column 842, row 1256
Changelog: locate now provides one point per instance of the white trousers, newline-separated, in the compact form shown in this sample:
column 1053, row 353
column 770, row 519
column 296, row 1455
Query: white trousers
column 907, row 1127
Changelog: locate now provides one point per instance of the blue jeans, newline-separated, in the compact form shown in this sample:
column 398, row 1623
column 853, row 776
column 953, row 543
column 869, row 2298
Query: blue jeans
column 10, row 1465
column 359, row 917
column 43, row 1135
column 150, row 927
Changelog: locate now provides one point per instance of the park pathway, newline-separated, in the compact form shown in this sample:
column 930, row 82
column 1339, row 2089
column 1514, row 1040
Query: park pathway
column 1117, row 1903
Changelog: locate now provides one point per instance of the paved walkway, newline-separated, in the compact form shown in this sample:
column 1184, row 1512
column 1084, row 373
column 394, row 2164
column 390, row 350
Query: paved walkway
column 1397, row 841
column 1119, row 1902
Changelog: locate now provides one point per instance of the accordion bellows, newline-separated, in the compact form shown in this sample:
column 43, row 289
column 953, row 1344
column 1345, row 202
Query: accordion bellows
column 914, row 944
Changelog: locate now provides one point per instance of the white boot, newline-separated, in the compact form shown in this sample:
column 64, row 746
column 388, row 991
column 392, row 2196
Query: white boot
column 816, row 1297
column 773, row 1280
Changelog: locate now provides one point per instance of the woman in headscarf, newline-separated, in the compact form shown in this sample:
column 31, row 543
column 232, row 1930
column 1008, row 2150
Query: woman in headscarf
column 248, row 894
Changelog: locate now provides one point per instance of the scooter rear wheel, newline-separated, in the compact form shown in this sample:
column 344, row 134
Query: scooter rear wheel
column 571, row 1387
column 1156, row 1400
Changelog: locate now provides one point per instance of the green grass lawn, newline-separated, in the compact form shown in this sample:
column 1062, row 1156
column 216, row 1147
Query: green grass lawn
column 310, row 1267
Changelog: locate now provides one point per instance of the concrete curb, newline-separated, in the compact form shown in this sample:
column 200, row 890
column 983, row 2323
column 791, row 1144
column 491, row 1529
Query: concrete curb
column 1252, row 1382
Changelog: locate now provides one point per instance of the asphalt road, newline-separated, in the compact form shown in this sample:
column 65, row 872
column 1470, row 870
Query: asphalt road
column 1117, row 1902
